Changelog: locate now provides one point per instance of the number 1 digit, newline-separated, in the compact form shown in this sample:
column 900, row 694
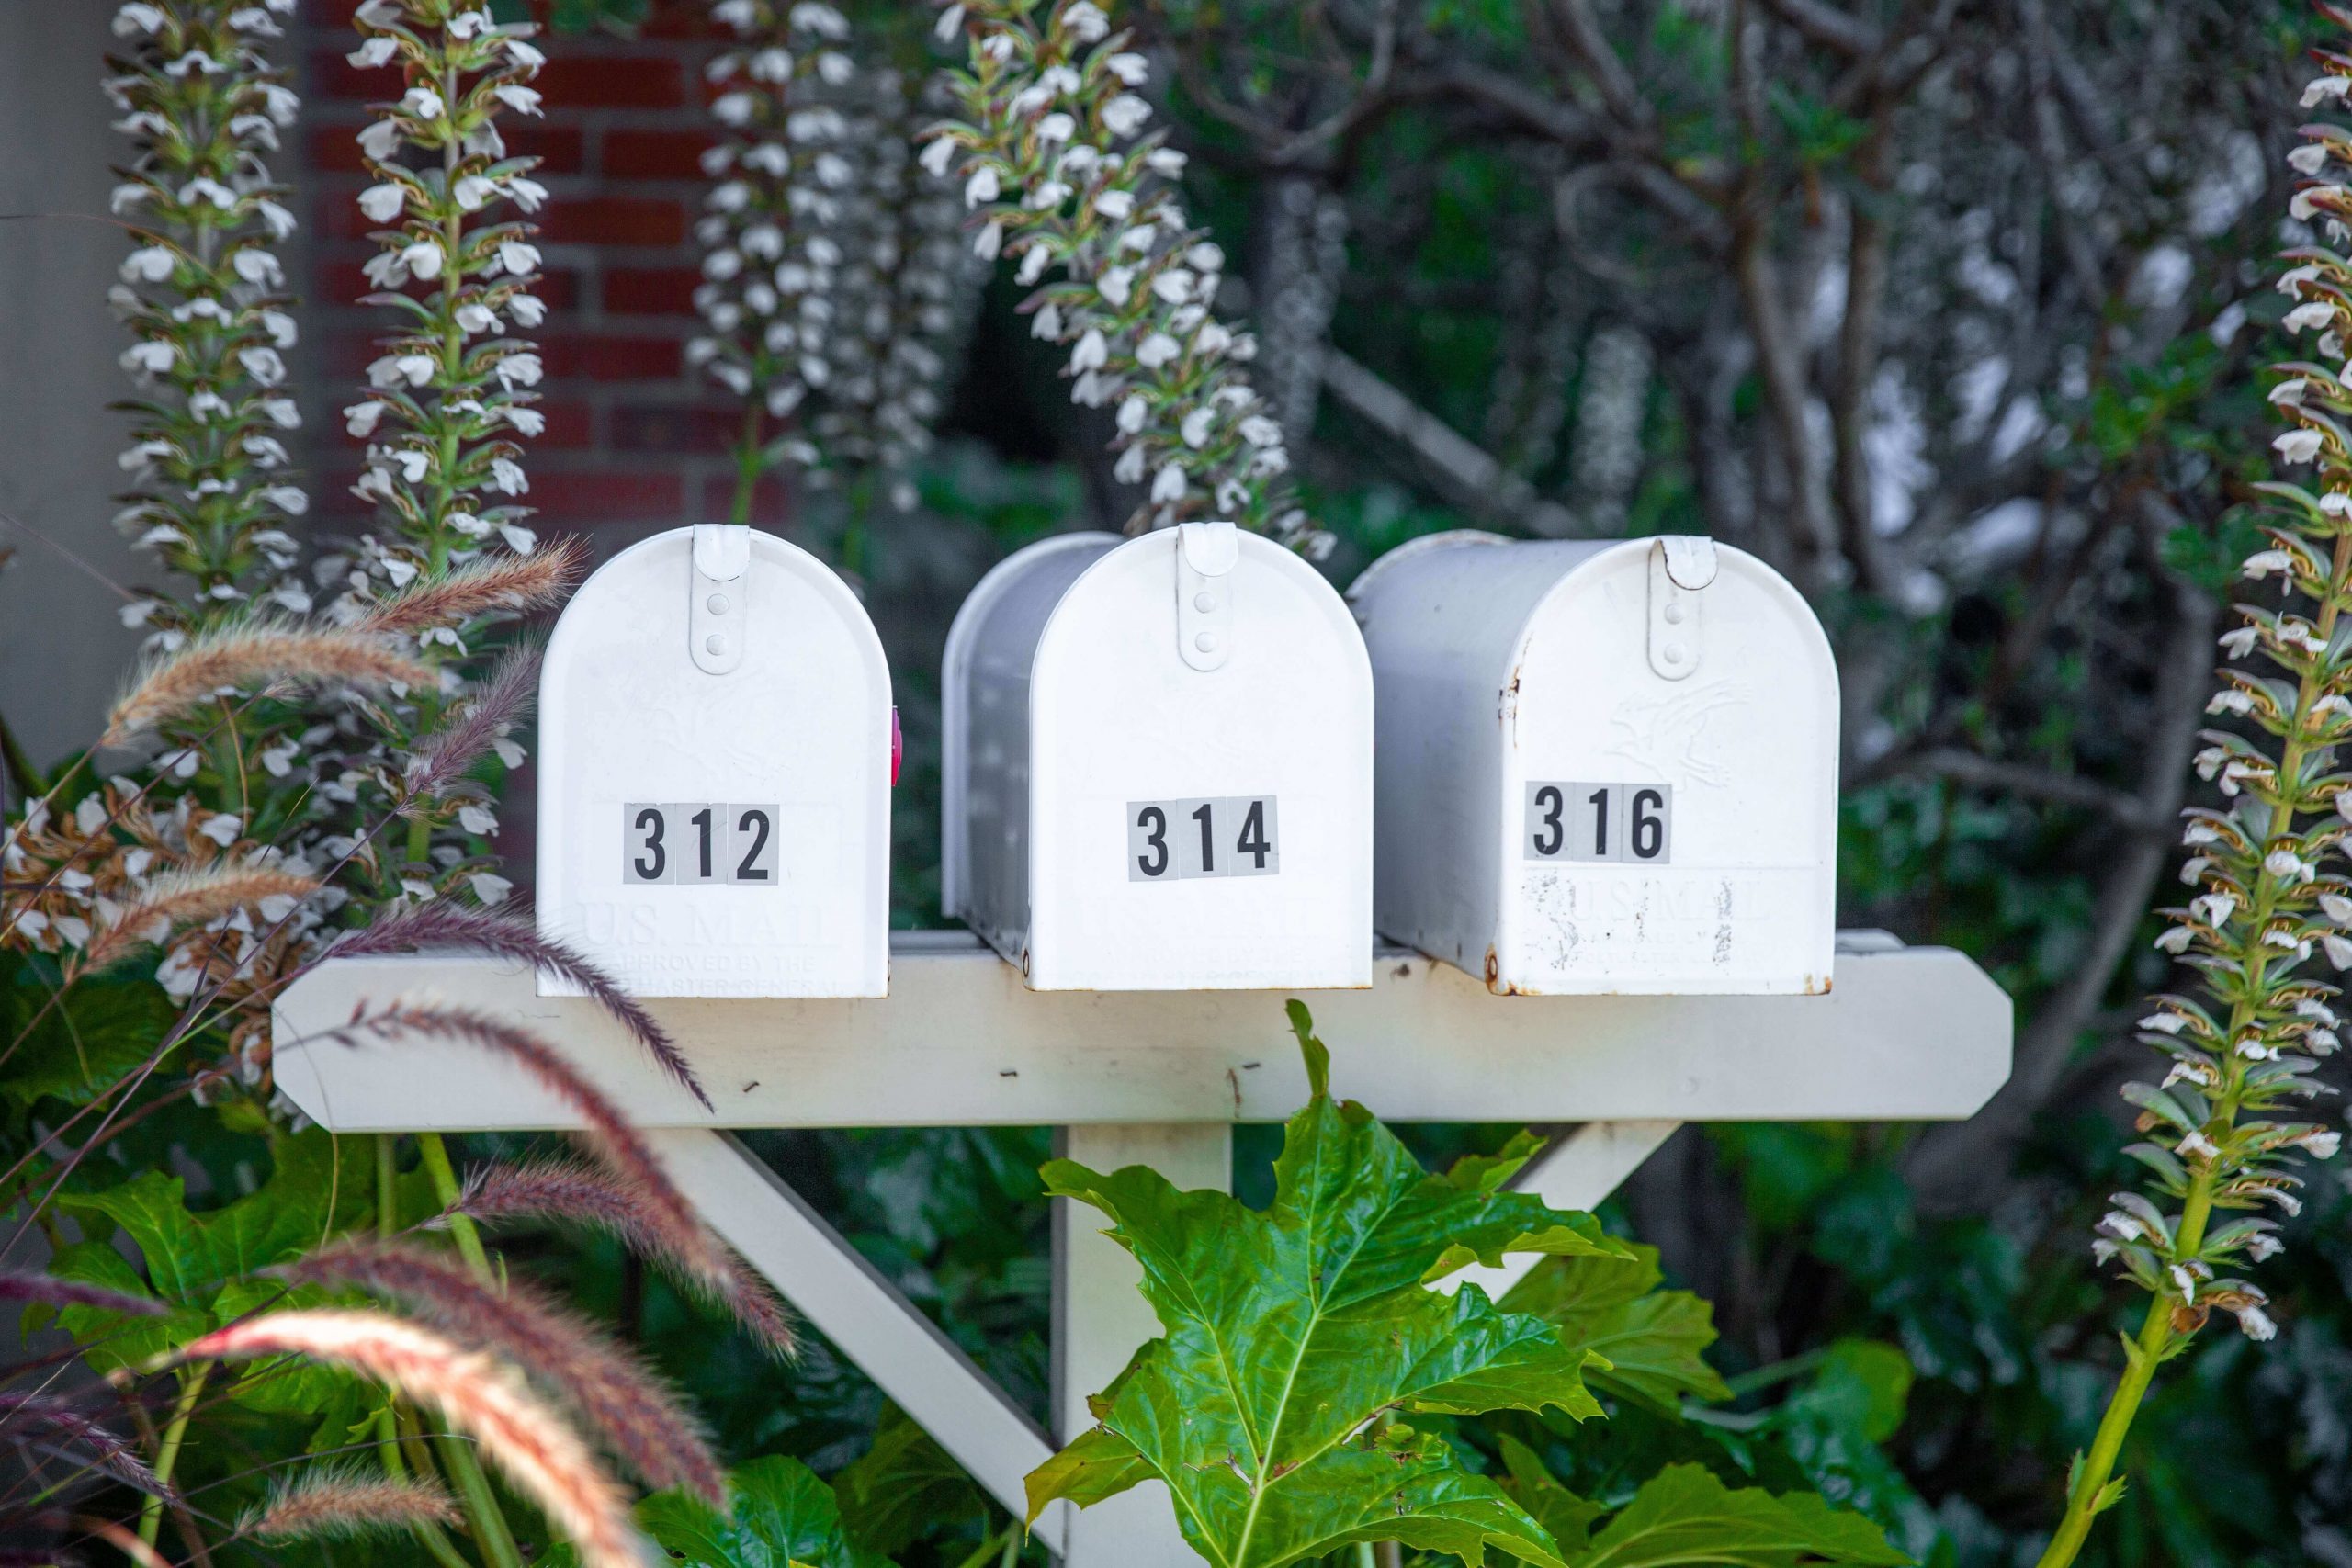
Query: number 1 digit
column 1209, row 844
column 702, row 819
column 1600, row 799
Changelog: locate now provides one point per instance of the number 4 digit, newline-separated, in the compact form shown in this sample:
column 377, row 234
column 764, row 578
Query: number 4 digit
column 1255, row 850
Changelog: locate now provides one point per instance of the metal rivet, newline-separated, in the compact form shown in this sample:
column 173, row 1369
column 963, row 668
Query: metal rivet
column 1673, row 615
column 718, row 602
column 717, row 645
column 1205, row 642
column 1204, row 602
column 1674, row 653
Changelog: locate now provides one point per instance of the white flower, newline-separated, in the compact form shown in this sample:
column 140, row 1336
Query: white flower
column 1125, row 115
column 1173, row 285
column 1033, row 262
column 529, row 422
column 262, row 364
column 1091, row 352
column 2256, row 1323
column 981, row 186
column 1086, row 22
column 149, row 263
column 489, row 888
column 282, row 413
column 2313, row 313
column 1198, row 425
column 2214, row 908
column 474, row 317
column 950, row 23
column 936, row 155
column 522, row 100
column 2325, row 87
column 1057, row 127
column 2308, row 159
column 423, row 258
column 507, row 476
column 421, row 102
column 1118, row 204
column 529, row 310
column 2262, row 563
column 2282, row 863
column 478, row 820
column 1116, row 285
column 1129, row 67
column 2297, row 446
column 1157, row 350
column 2304, row 205
column 2323, row 1144
column 379, row 140
column 525, row 55
column 988, row 242
column 1167, row 484
column 1260, row 431
column 375, row 53
column 256, row 265
column 149, row 359
column 2263, row 1246
column 1165, row 162
column 1132, row 413
column 361, row 419
column 2237, row 644
column 136, row 18
column 2175, row 940
column 515, row 370
column 475, row 192
column 221, row 828
column 518, row 256
column 2338, row 949
column 1047, row 325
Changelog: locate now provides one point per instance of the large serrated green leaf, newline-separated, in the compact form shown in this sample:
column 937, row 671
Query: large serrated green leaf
column 1683, row 1515
column 1653, row 1340
column 780, row 1514
column 1299, row 1340
column 904, row 1484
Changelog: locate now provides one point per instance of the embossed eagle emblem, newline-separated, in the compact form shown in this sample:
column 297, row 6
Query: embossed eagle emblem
column 1668, row 736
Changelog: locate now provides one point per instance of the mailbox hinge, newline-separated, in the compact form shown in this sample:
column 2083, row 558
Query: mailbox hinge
column 1205, row 556
column 718, row 599
column 1681, row 566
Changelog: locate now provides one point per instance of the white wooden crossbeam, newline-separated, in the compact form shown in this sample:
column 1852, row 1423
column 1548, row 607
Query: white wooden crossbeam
column 1906, row 1035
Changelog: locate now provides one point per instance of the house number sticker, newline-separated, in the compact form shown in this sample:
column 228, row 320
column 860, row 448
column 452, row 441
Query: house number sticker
column 1183, row 840
column 1600, row 822
column 673, row 843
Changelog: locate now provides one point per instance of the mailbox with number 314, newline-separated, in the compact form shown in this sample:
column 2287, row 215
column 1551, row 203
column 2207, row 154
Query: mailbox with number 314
column 715, row 773
column 1158, row 766
column 1603, row 766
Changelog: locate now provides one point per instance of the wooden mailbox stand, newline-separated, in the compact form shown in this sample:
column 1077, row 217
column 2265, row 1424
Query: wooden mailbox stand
column 1156, row 1079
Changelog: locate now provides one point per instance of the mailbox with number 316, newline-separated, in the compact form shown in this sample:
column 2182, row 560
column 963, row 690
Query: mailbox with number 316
column 1603, row 766
column 1158, row 766
column 715, row 773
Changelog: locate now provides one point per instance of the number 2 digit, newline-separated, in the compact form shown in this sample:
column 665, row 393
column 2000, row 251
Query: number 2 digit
column 1154, row 821
column 752, row 870
column 650, row 823
column 1552, row 803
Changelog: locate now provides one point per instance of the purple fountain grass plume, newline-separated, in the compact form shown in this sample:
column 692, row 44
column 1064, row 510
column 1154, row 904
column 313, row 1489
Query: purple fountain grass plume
column 486, row 585
column 609, row 1134
column 47, row 1290
column 53, row 1425
column 445, row 925
column 580, row 1193
column 638, row 1420
column 464, row 737
column 477, row 1398
column 340, row 1501
column 242, row 655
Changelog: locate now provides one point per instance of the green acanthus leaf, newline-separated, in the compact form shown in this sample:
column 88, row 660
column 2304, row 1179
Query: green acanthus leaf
column 1300, row 1340
column 781, row 1514
column 1653, row 1340
column 1684, row 1514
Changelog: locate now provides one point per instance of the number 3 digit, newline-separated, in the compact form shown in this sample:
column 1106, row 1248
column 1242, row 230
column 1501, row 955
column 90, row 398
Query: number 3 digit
column 1154, row 821
column 650, row 823
column 1551, row 802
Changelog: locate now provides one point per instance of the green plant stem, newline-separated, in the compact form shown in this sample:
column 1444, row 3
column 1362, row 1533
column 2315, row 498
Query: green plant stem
column 491, row 1534
column 748, row 464
column 429, row 1535
column 2158, row 1330
column 1364, row 1555
column 167, row 1452
column 446, row 1188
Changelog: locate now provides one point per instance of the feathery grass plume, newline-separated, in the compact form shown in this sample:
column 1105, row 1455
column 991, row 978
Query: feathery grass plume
column 242, row 654
column 640, row 1422
column 1053, row 153
column 343, row 1503
column 441, row 924
column 545, row 1458
column 2226, row 1128
column 174, row 898
column 612, row 1137
column 463, row 738
column 574, row 1192
column 485, row 585
column 47, row 1290
column 123, row 1541
column 53, row 1425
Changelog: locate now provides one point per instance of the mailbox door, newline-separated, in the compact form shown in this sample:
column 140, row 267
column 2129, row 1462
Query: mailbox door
column 1197, row 829
column 1670, row 835
column 717, row 835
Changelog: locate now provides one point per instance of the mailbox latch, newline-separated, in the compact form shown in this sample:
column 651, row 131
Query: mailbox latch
column 1681, row 566
column 1205, row 556
column 718, row 603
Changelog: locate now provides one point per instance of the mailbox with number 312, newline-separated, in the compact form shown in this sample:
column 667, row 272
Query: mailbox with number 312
column 715, row 773
column 1158, row 766
column 1603, row 766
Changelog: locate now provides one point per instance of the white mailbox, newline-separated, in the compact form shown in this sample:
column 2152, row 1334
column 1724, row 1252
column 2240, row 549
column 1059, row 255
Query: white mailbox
column 715, row 773
column 1158, row 766
column 1603, row 766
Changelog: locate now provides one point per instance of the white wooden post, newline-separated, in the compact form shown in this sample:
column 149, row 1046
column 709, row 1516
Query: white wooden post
column 1100, row 1318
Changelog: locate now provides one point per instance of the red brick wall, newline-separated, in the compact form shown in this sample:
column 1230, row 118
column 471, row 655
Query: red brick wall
column 633, row 442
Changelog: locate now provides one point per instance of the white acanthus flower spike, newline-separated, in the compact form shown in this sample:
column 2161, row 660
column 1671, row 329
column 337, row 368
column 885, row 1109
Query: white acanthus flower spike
column 2323, row 88
column 2306, row 316
column 2308, row 159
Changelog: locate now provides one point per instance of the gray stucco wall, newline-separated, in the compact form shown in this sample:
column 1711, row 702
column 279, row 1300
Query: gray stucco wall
column 63, row 646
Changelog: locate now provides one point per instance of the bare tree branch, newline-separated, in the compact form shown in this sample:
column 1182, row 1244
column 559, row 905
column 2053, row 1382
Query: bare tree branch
column 1469, row 476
